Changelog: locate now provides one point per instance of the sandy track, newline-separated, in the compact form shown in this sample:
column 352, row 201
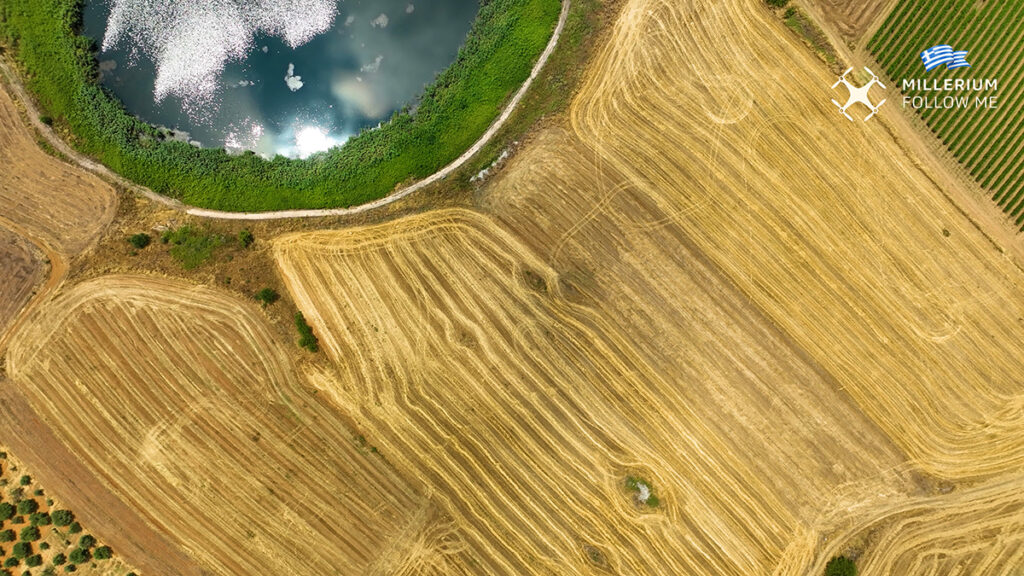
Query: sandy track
column 179, row 400
column 524, row 409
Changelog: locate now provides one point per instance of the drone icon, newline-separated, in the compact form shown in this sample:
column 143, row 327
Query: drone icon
column 858, row 94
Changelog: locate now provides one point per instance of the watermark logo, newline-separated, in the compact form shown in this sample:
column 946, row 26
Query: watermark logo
column 858, row 94
column 944, row 54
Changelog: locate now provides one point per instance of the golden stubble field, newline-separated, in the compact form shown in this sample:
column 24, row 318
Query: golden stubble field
column 707, row 278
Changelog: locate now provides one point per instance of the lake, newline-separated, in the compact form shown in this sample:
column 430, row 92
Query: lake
column 288, row 77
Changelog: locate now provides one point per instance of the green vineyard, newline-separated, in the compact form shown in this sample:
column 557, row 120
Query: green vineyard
column 989, row 142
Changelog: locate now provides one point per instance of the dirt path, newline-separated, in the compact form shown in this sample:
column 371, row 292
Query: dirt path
column 58, row 269
column 103, row 171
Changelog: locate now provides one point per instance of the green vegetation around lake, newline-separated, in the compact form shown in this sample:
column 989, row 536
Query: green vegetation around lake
column 60, row 68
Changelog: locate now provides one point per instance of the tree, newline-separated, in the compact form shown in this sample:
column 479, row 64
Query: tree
column 840, row 566
column 21, row 550
column 79, row 556
column 40, row 519
column 11, row 562
column 25, row 480
column 59, row 558
column 102, row 553
column 140, row 240
column 307, row 339
column 86, row 541
column 7, row 535
column 6, row 511
column 28, row 506
column 75, row 528
column 29, row 534
column 267, row 296
column 245, row 238
column 62, row 517
column 34, row 560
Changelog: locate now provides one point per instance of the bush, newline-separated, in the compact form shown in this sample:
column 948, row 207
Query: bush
column 11, row 562
column 102, row 553
column 245, row 238
column 307, row 339
column 190, row 246
column 70, row 568
column 40, row 519
column 75, row 528
column 777, row 3
column 59, row 558
column 18, row 520
column 29, row 534
column 27, row 506
column 25, row 480
column 34, row 560
column 267, row 296
column 8, row 535
column 62, row 517
column 44, row 546
column 840, row 566
column 86, row 541
column 79, row 556
column 6, row 510
column 46, row 120
column 21, row 550
column 140, row 240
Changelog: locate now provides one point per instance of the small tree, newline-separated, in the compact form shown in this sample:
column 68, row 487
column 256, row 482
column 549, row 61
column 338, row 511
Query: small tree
column 34, row 560
column 267, row 296
column 86, row 541
column 79, row 556
column 6, row 511
column 27, row 506
column 307, row 339
column 21, row 550
column 40, row 519
column 75, row 528
column 29, row 534
column 7, row 535
column 62, row 517
column 25, row 480
column 70, row 568
column 840, row 566
column 59, row 558
column 140, row 240
column 102, row 553
column 245, row 238
column 11, row 562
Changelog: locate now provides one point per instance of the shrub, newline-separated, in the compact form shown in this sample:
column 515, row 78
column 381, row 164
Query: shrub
column 86, row 541
column 840, row 566
column 59, row 558
column 102, row 553
column 29, row 534
column 34, row 560
column 44, row 546
column 140, row 240
column 245, row 238
column 70, row 568
column 267, row 296
column 6, row 510
column 307, row 339
column 40, row 519
column 11, row 562
column 27, row 506
column 190, row 246
column 79, row 556
column 18, row 520
column 38, row 492
column 25, row 480
column 21, row 550
column 75, row 528
column 46, row 120
column 7, row 535
column 62, row 517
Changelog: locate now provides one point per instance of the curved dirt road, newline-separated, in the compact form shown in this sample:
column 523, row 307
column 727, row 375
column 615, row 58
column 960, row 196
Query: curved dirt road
column 103, row 171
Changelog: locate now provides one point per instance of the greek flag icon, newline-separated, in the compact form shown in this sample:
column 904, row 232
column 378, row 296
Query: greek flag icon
column 944, row 54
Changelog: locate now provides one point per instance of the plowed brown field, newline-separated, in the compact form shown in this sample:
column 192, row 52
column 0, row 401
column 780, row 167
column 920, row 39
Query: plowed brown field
column 178, row 398
column 21, row 269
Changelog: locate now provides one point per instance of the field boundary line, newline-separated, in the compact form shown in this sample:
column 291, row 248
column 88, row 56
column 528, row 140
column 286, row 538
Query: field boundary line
column 99, row 169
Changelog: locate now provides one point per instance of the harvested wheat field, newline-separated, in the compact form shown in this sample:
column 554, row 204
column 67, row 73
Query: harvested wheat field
column 178, row 398
column 60, row 204
column 22, row 269
column 482, row 371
